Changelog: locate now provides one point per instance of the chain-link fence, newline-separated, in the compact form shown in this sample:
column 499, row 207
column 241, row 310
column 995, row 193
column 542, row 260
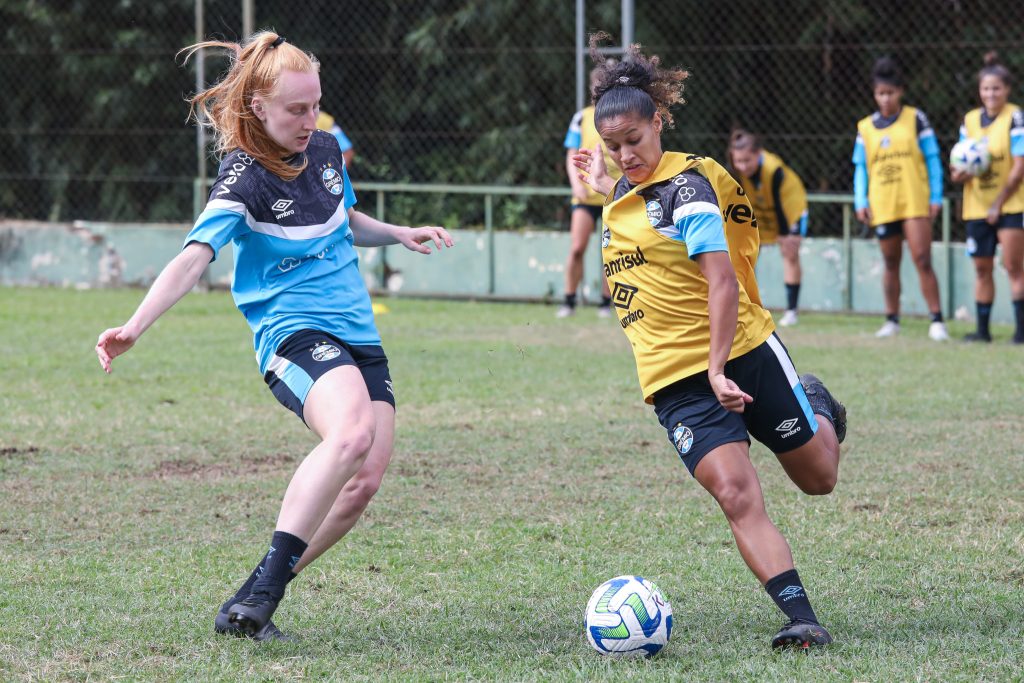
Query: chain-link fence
column 463, row 91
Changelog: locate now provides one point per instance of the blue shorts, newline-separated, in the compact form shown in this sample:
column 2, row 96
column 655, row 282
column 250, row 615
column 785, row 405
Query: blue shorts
column 305, row 356
column 982, row 237
column 780, row 416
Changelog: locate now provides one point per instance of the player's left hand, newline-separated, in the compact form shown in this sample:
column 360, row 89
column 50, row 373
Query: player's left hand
column 728, row 393
column 934, row 210
column 416, row 239
column 993, row 214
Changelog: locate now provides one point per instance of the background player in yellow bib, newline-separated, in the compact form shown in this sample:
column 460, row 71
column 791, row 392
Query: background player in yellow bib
column 585, row 211
column 780, row 205
column 897, row 187
column 326, row 122
column 679, row 247
column 994, row 201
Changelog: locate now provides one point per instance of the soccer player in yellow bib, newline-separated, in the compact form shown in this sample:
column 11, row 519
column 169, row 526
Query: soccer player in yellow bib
column 679, row 246
column 585, row 209
column 780, row 206
column 326, row 122
column 994, row 201
column 897, row 187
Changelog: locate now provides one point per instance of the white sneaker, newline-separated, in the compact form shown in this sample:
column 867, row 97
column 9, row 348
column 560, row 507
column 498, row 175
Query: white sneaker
column 889, row 329
column 565, row 311
column 604, row 311
column 788, row 319
column 938, row 332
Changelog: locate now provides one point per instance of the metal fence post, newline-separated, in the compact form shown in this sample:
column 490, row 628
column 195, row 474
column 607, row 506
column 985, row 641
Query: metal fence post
column 382, row 269
column 847, row 257
column 947, row 248
column 489, row 226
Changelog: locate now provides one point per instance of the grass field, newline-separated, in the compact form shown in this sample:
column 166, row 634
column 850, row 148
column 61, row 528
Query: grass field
column 527, row 471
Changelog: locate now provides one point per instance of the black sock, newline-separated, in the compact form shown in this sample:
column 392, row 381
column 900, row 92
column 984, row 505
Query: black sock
column 243, row 592
column 570, row 300
column 285, row 552
column 984, row 312
column 792, row 296
column 790, row 596
column 606, row 301
column 937, row 317
column 893, row 318
column 1018, row 316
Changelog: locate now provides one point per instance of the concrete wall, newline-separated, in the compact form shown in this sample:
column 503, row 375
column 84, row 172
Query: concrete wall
column 526, row 265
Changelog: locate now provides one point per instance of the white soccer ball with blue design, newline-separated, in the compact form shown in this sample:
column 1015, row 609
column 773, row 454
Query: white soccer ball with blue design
column 970, row 157
column 628, row 616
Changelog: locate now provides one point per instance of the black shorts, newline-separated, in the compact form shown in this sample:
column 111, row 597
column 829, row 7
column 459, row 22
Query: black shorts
column 884, row 231
column 306, row 355
column 982, row 237
column 780, row 416
column 594, row 211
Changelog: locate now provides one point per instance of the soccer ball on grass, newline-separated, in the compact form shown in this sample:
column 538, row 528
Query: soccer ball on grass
column 626, row 616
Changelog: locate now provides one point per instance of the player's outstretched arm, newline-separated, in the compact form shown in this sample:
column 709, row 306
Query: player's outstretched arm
column 370, row 232
column 175, row 281
column 592, row 169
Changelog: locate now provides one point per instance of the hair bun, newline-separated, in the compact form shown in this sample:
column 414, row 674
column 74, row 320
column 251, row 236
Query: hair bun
column 991, row 58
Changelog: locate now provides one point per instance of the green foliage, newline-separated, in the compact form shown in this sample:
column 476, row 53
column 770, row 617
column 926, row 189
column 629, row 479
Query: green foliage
column 462, row 91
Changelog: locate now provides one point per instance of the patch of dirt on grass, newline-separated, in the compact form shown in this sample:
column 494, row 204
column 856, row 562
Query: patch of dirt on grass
column 193, row 469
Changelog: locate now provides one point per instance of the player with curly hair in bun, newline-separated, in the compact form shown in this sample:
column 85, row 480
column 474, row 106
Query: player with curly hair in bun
column 679, row 247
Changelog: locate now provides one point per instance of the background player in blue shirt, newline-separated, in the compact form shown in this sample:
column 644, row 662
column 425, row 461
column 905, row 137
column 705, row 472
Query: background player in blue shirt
column 284, row 200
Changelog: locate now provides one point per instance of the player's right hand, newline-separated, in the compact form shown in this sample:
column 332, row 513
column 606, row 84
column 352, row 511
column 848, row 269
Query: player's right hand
column 864, row 215
column 111, row 344
column 594, row 172
column 728, row 393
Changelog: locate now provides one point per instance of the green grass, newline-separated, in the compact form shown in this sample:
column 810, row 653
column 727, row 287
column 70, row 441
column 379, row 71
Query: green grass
column 527, row 471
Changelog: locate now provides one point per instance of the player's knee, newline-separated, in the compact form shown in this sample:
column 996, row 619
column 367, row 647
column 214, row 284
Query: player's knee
column 358, row 493
column 923, row 263
column 351, row 445
column 737, row 498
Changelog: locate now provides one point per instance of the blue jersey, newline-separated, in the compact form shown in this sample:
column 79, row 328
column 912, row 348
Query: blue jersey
column 296, row 265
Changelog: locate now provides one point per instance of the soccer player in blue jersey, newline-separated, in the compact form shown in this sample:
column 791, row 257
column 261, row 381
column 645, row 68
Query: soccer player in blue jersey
column 283, row 198
column 897, row 186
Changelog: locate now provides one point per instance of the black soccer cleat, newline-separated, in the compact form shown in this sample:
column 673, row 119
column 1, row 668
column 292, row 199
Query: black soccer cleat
column 801, row 633
column 252, row 615
column 824, row 403
column 977, row 337
column 223, row 625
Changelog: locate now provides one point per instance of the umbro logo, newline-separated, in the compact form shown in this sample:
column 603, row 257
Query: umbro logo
column 790, row 592
column 280, row 208
column 622, row 295
column 786, row 425
column 789, row 427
